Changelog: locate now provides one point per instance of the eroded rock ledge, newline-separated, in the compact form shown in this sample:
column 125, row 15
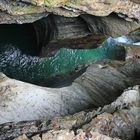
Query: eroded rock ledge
column 120, row 119
column 35, row 9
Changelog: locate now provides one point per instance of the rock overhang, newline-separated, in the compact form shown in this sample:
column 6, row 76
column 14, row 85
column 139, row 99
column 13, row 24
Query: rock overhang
column 70, row 8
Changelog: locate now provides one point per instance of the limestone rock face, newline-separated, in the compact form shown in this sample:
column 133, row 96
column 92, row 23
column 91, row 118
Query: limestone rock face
column 95, row 7
column 118, row 120
column 35, row 9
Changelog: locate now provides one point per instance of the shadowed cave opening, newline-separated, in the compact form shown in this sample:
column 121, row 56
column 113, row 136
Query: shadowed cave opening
column 47, row 52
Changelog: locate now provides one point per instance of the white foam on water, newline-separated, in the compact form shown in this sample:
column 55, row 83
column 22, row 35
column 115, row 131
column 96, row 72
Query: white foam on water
column 124, row 39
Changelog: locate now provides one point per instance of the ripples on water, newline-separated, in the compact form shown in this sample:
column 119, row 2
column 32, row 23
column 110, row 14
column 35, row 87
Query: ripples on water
column 64, row 61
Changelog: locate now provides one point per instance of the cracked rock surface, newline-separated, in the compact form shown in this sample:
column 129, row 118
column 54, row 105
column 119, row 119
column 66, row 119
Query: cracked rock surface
column 35, row 9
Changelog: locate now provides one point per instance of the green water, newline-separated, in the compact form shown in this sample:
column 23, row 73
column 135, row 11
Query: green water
column 34, row 69
column 66, row 59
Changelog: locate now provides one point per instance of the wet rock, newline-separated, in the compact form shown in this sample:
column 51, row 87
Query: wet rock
column 101, row 84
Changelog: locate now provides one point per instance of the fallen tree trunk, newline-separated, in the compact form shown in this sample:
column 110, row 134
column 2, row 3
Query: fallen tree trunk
column 101, row 84
column 119, row 119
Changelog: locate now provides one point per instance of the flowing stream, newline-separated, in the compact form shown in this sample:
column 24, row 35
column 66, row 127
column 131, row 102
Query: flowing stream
column 19, row 60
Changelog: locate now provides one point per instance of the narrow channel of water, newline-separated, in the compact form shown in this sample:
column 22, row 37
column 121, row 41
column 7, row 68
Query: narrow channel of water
column 25, row 66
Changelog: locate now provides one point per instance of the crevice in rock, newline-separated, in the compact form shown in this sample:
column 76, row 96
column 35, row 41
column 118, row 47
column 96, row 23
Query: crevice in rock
column 56, row 48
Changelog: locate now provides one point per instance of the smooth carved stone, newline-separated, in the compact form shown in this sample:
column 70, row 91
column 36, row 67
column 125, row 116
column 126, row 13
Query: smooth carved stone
column 91, row 89
column 120, row 119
